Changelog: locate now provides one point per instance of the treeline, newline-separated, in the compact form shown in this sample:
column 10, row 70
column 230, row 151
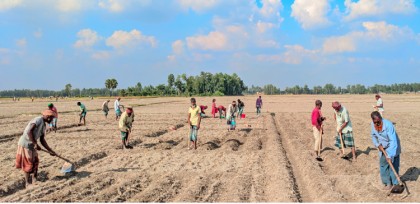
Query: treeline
column 331, row 89
column 205, row 84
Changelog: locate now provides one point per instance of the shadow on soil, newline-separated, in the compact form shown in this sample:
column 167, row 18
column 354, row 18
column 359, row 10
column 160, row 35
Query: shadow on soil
column 412, row 174
column 367, row 151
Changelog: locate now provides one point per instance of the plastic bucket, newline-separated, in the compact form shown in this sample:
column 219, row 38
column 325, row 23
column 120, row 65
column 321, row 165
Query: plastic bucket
column 243, row 115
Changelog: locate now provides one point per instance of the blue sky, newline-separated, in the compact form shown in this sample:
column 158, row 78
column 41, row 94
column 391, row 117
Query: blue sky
column 46, row 44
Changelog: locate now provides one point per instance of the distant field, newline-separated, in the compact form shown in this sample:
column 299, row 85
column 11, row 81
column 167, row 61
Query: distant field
column 270, row 161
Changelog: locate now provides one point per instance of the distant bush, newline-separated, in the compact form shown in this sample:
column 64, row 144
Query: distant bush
column 218, row 93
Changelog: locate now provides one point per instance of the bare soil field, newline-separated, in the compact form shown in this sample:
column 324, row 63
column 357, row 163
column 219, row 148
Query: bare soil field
column 267, row 159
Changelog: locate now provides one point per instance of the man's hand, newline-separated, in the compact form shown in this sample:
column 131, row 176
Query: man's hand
column 37, row 147
column 388, row 160
column 52, row 153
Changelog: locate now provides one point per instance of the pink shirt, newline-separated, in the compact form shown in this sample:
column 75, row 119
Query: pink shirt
column 55, row 111
column 316, row 117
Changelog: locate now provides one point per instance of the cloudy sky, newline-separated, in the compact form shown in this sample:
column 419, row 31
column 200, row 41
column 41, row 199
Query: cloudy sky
column 49, row 43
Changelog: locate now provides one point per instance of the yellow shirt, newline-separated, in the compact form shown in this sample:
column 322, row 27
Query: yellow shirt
column 126, row 122
column 195, row 114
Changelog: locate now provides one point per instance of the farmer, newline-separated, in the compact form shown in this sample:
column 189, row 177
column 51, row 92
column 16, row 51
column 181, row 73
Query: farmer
column 317, row 125
column 214, row 108
column 222, row 111
column 231, row 115
column 202, row 108
column 32, row 98
column 241, row 106
column 117, row 108
column 385, row 138
column 82, row 113
column 379, row 105
column 53, row 124
column 344, row 127
column 259, row 104
column 194, row 121
column 27, row 152
column 125, row 125
column 105, row 108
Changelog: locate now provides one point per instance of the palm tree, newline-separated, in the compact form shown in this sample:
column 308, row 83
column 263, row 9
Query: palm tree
column 111, row 84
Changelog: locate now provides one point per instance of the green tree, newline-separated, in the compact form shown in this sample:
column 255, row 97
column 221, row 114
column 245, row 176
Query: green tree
column 111, row 84
column 67, row 89
column 171, row 80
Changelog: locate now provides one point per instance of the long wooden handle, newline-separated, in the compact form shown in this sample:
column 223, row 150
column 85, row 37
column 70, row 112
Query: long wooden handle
column 341, row 140
column 57, row 156
column 392, row 166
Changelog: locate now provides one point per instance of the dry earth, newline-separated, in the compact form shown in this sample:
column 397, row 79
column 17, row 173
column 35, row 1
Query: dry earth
column 270, row 161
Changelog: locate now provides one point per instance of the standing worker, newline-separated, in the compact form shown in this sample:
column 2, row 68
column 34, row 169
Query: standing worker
column 82, row 113
column 214, row 108
column 231, row 115
column 259, row 104
column 194, row 121
column 344, row 128
column 385, row 138
column 117, row 108
column 105, row 108
column 317, row 120
column 27, row 152
column 53, row 124
column 125, row 125
column 379, row 105
column 241, row 106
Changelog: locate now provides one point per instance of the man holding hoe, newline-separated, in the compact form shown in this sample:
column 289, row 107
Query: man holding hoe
column 125, row 125
column 344, row 138
column 317, row 120
column 28, row 147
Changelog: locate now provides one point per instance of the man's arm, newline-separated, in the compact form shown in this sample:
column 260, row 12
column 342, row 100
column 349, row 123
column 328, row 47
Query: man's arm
column 31, row 136
column 189, row 117
column 393, row 143
column 45, row 144
column 374, row 138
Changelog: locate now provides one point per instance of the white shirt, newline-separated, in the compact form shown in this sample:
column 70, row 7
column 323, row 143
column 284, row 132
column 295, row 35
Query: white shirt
column 378, row 103
column 117, row 105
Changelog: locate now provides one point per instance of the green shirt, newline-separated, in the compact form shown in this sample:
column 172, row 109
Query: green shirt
column 342, row 116
column 83, row 108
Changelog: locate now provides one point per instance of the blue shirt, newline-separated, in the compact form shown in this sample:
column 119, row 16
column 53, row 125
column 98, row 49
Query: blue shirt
column 388, row 138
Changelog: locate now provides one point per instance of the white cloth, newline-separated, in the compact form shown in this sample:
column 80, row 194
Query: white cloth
column 379, row 103
column 117, row 105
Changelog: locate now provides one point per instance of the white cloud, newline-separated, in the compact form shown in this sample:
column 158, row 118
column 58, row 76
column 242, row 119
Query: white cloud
column 21, row 42
column 38, row 33
column 100, row 55
column 363, row 8
column 69, row 5
column 311, row 14
column 87, row 38
column 178, row 47
column 262, row 27
column 111, row 5
column 9, row 4
column 121, row 39
column 267, row 43
column 294, row 54
column 374, row 32
column 271, row 8
column 171, row 57
column 198, row 5
column 213, row 41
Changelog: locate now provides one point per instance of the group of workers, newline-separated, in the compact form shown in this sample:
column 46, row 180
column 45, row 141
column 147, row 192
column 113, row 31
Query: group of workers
column 383, row 133
column 384, row 137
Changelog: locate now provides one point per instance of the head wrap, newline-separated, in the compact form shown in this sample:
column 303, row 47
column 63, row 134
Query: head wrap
column 48, row 113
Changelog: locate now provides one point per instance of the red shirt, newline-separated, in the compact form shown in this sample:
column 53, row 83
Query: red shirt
column 222, row 107
column 316, row 117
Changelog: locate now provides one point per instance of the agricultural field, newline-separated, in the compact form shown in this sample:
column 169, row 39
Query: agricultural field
column 267, row 159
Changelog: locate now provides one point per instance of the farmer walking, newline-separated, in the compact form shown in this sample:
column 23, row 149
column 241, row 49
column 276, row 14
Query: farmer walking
column 241, row 106
column 105, row 108
column 194, row 121
column 82, row 113
column 317, row 130
column 385, row 138
column 27, row 152
column 53, row 124
column 231, row 115
column 117, row 108
column 344, row 128
column 259, row 104
column 379, row 105
column 214, row 108
column 125, row 124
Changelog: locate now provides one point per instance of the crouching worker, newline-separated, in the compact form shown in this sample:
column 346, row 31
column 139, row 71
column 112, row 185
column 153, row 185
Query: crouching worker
column 28, row 146
column 385, row 138
column 194, row 121
column 125, row 125
column 203, row 108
